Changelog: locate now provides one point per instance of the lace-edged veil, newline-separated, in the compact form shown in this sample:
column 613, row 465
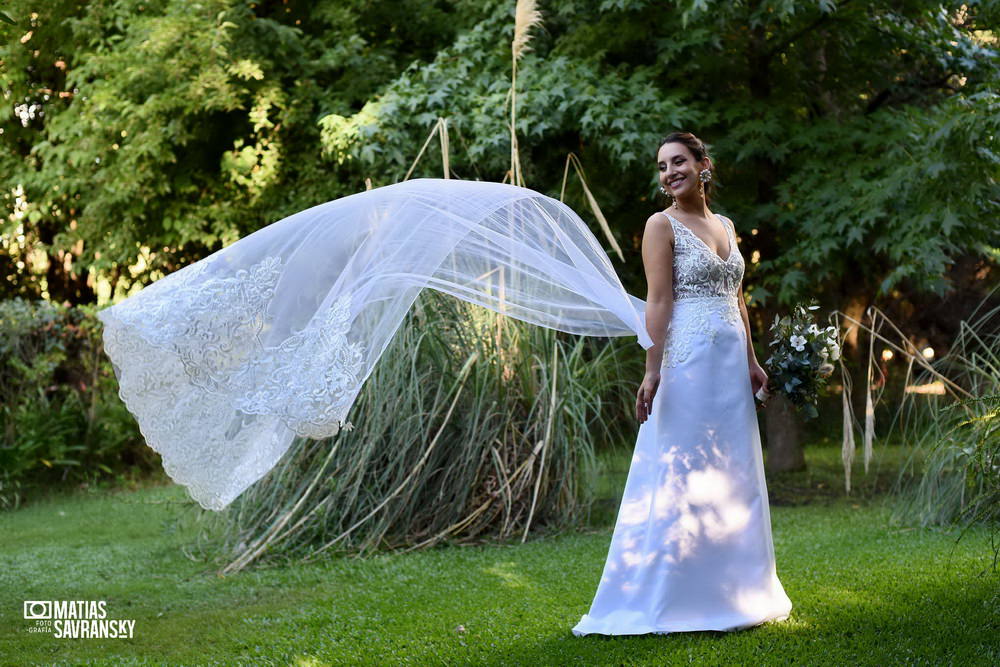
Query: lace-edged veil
column 225, row 361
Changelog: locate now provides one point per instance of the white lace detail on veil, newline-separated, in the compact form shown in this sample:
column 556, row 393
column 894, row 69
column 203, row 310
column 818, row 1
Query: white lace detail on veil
column 206, row 335
column 318, row 367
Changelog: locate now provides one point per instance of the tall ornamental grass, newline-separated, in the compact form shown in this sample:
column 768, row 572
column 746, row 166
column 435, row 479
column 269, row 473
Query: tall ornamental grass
column 472, row 426
column 952, row 476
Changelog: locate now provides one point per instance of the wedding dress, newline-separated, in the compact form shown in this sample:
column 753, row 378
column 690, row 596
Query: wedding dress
column 691, row 548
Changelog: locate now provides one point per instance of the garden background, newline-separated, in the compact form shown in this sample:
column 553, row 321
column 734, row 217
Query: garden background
column 856, row 150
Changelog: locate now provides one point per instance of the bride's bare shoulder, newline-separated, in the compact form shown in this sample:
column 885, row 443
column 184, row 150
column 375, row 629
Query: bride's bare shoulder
column 658, row 227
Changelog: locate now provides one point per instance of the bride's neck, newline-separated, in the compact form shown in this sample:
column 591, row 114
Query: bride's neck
column 697, row 208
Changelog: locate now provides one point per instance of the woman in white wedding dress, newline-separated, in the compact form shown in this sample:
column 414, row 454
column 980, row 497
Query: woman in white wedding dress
column 226, row 360
column 692, row 548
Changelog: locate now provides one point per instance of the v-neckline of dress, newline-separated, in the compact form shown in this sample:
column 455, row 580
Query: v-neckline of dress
column 705, row 245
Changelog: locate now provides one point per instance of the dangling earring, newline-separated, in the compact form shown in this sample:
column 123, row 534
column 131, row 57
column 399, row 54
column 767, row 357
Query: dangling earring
column 704, row 176
column 669, row 196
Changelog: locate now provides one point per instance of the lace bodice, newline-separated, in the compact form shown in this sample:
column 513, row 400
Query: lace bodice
column 704, row 286
column 698, row 271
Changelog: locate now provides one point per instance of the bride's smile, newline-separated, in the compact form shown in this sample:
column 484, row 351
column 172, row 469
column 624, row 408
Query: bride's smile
column 678, row 177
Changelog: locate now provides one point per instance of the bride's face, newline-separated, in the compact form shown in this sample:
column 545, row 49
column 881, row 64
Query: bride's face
column 678, row 170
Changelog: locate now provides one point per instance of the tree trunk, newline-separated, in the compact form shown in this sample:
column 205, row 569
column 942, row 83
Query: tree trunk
column 784, row 435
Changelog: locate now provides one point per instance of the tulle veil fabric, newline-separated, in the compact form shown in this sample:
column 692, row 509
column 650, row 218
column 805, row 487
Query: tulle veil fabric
column 225, row 361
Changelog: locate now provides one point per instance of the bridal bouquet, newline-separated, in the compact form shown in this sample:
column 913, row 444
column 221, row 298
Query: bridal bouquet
column 801, row 360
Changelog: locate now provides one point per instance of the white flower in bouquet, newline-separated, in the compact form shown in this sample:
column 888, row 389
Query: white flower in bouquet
column 801, row 360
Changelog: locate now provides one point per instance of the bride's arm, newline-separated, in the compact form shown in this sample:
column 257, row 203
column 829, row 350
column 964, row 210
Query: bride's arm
column 658, row 263
column 751, row 355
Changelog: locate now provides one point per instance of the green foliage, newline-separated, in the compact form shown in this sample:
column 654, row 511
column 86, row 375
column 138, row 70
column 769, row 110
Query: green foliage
column 170, row 129
column 61, row 421
column 893, row 195
column 860, row 141
column 857, row 139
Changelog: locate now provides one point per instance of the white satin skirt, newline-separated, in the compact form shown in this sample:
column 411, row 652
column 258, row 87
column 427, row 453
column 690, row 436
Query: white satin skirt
column 692, row 547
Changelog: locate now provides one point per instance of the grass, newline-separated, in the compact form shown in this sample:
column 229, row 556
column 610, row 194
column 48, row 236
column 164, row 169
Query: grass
column 863, row 593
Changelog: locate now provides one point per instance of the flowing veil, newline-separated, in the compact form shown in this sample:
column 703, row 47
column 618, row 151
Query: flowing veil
column 225, row 361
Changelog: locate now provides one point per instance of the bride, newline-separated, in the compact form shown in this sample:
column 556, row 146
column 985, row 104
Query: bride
column 225, row 361
column 692, row 548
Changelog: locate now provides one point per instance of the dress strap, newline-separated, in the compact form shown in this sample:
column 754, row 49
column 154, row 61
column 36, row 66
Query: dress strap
column 677, row 223
column 730, row 227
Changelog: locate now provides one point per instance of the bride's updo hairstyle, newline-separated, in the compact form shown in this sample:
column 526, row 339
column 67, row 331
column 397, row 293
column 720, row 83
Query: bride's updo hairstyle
column 697, row 148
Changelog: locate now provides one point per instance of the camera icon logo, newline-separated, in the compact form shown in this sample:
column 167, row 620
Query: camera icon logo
column 37, row 610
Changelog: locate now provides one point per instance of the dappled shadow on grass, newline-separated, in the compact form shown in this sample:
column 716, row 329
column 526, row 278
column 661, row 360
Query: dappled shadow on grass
column 820, row 484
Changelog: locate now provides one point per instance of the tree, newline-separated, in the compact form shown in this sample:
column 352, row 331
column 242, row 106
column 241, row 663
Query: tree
column 856, row 143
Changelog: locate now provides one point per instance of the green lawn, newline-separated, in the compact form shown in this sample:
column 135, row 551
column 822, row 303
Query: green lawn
column 863, row 593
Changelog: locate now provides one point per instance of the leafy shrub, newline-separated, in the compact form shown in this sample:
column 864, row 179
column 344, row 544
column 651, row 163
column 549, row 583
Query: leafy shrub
column 61, row 421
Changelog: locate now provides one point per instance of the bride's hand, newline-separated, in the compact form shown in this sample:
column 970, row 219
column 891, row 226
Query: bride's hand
column 758, row 378
column 644, row 397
